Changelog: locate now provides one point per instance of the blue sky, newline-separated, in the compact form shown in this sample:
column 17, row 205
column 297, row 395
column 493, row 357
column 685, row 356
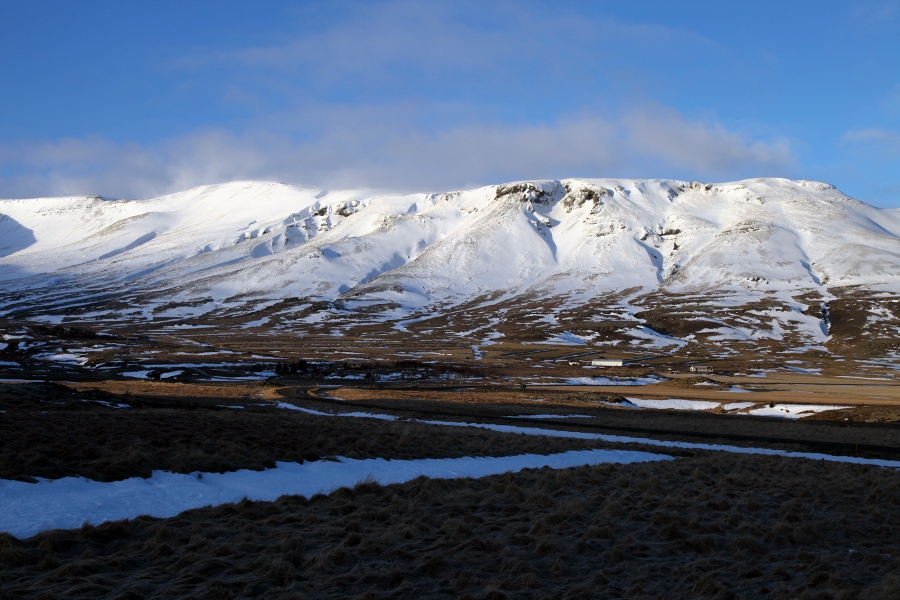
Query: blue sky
column 129, row 99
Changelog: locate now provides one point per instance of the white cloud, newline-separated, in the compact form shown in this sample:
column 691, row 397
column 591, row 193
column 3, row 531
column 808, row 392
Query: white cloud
column 875, row 12
column 887, row 140
column 488, row 53
column 705, row 147
column 412, row 95
column 377, row 147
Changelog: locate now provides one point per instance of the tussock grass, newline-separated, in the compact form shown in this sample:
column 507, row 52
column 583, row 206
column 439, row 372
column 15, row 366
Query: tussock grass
column 710, row 526
column 53, row 432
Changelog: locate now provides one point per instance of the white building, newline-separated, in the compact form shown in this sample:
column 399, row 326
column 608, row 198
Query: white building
column 696, row 369
column 607, row 362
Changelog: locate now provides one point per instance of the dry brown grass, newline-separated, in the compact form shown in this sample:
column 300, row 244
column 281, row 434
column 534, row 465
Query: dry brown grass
column 163, row 389
column 782, row 390
column 871, row 426
column 711, row 526
column 462, row 395
column 50, row 431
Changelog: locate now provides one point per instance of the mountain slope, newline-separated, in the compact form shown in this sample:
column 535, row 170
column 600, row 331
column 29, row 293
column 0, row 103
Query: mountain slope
column 230, row 251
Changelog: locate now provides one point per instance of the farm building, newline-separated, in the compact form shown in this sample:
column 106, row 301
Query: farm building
column 698, row 369
column 607, row 362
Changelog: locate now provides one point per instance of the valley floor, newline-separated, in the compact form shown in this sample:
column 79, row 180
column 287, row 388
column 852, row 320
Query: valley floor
column 709, row 524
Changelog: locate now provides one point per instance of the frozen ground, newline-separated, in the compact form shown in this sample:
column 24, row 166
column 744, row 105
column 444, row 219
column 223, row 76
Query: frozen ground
column 68, row 502
column 29, row 508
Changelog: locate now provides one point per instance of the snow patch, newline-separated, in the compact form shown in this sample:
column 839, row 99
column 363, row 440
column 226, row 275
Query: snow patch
column 136, row 374
column 29, row 508
column 674, row 404
column 793, row 411
column 737, row 406
column 611, row 381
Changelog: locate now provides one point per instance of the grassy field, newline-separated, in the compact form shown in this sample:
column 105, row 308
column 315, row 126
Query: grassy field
column 714, row 525
column 709, row 524
column 53, row 431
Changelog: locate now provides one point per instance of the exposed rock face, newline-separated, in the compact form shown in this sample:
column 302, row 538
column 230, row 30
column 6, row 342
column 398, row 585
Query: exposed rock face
column 219, row 251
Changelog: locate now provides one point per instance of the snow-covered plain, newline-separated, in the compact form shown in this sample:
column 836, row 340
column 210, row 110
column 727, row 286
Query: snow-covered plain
column 229, row 248
column 29, row 508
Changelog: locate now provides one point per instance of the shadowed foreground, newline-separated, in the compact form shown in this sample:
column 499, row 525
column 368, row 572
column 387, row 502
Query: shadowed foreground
column 714, row 525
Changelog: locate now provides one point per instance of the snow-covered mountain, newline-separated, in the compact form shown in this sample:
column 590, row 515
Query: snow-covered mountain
column 234, row 249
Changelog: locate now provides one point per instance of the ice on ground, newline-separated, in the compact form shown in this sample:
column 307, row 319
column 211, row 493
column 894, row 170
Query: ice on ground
column 255, row 323
column 29, row 508
column 674, row 403
column 310, row 411
column 729, row 333
column 62, row 357
column 566, row 338
column 610, row 381
column 258, row 377
column 735, row 388
column 171, row 374
column 53, row 319
column 737, row 406
column 808, row 371
column 654, row 338
column 136, row 374
column 109, row 404
column 622, row 404
column 621, row 439
column 793, row 411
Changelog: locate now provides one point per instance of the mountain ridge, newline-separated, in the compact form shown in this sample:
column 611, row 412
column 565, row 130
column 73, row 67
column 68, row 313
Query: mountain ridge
column 228, row 251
